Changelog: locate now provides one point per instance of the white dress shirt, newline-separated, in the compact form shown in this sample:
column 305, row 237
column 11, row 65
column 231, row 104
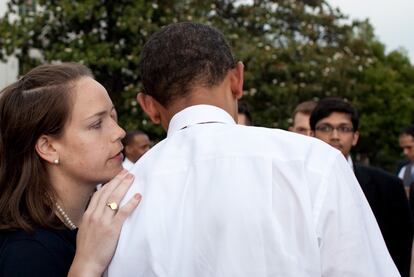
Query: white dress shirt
column 402, row 171
column 350, row 162
column 221, row 199
column 127, row 164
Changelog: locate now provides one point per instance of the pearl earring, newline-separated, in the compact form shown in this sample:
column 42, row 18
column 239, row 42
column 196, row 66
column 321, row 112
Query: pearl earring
column 56, row 161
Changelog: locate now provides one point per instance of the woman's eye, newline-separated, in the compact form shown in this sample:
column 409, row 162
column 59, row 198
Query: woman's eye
column 96, row 125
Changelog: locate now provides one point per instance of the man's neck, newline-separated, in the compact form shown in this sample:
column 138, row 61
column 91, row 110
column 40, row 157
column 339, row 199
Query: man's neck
column 202, row 96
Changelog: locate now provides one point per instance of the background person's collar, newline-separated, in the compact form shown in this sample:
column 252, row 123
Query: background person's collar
column 350, row 162
column 196, row 115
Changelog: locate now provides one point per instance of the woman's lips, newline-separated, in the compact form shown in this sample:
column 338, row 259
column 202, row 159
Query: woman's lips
column 118, row 157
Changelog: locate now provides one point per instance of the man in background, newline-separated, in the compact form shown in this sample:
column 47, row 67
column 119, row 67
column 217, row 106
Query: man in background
column 244, row 116
column 336, row 122
column 136, row 143
column 406, row 141
column 300, row 118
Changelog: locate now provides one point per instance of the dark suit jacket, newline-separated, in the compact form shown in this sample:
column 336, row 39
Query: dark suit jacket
column 386, row 196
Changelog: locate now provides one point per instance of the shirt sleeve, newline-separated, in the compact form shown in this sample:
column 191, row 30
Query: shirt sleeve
column 351, row 243
column 28, row 258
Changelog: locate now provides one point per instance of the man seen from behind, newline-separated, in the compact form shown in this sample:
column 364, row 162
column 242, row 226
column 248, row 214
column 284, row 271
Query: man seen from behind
column 221, row 199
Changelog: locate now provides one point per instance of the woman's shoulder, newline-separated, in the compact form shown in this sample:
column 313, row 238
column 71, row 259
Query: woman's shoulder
column 42, row 252
column 39, row 236
column 20, row 241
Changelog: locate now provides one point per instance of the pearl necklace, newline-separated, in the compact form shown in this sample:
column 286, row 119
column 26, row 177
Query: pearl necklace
column 65, row 217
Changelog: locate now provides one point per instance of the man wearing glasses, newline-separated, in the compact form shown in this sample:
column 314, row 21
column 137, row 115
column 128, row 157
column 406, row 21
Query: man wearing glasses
column 336, row 122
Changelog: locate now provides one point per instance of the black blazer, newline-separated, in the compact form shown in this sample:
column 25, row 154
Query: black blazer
column 386, row 196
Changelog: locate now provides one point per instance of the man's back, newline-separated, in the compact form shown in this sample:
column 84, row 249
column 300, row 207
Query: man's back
column 221, row 199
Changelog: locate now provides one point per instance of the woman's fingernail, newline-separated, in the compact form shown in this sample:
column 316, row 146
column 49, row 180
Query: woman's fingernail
column 137, row 196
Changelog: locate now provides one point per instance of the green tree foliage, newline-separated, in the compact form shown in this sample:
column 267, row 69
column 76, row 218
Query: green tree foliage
column 292, row 50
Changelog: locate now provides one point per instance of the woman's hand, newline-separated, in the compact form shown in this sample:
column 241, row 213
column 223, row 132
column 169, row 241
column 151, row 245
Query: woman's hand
column 101, row 225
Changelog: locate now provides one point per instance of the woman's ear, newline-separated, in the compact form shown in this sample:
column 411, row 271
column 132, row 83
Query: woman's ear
column 46, row 151
column 149, row 106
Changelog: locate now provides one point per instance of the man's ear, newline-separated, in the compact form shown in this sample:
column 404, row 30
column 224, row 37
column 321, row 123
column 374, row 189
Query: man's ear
column 237, row 79
column 355, row 138
column 148, row 104
column 45, row 149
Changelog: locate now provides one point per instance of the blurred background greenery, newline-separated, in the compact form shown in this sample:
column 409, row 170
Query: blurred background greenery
column 293, row 50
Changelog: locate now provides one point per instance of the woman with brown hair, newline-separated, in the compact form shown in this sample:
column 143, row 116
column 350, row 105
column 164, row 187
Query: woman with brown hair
column 59, row 138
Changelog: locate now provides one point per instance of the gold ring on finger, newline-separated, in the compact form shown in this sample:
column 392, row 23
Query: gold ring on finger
column 112, row 205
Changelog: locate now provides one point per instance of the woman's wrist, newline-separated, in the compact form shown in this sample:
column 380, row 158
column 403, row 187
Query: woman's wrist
column 80, row 268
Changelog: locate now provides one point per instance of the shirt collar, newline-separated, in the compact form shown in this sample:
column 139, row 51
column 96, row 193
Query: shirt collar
column 196, row 115
column 350, row 162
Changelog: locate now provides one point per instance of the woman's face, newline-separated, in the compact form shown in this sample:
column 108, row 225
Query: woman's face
column 90, row 147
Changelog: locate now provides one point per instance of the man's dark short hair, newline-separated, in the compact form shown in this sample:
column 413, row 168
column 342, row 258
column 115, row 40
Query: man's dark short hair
column 327, row 106
column 182, row 56
column 409, row 130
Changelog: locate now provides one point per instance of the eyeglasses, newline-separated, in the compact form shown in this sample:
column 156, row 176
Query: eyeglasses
column 327, row 128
